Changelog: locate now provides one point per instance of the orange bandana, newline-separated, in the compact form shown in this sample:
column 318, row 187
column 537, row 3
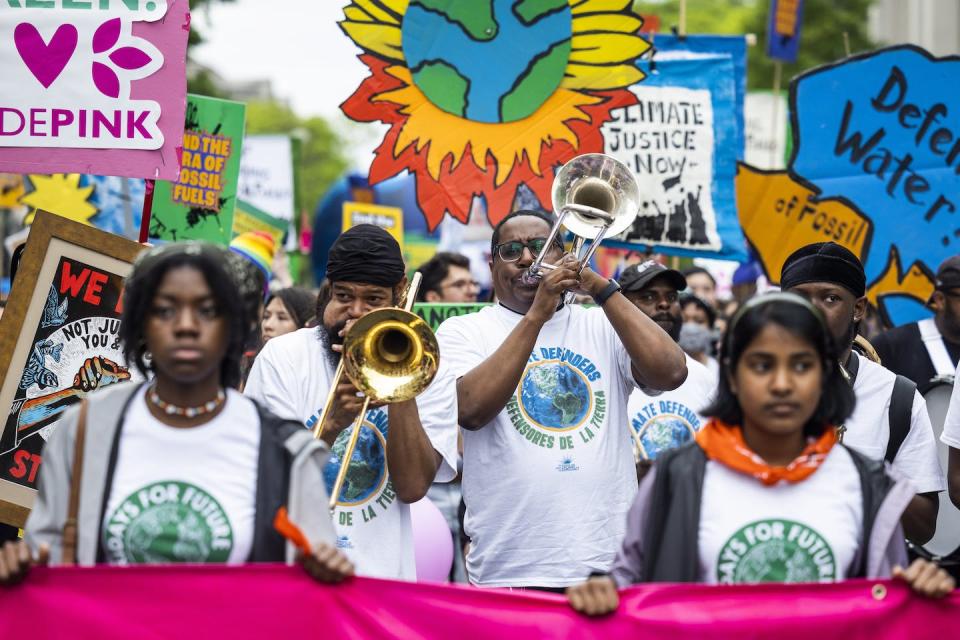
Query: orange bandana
column 725, row 444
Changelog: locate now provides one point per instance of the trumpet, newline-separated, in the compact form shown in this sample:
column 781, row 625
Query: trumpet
column 390, row 355
column 597, row 197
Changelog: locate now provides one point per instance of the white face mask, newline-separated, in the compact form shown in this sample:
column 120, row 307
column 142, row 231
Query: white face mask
column 695, row 339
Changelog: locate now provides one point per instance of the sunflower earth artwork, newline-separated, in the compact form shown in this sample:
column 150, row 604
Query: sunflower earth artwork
column 489, row 96
column 92, row 87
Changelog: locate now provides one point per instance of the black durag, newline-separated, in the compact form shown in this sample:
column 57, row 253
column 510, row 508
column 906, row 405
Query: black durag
column 824, row 262
column 366, row 253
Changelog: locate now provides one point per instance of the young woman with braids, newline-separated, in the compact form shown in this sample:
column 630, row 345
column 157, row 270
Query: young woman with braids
column 765, row 493
column 181, row 468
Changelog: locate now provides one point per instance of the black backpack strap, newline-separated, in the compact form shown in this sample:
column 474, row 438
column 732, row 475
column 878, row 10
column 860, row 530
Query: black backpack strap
column 874, row 486
column 901, row 410
column 852, row 367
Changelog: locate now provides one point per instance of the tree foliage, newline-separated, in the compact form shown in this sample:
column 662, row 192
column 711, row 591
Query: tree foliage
column 821, row 38
column 321, row 158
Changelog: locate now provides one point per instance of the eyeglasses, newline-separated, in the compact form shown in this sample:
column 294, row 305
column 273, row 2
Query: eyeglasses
column 511, row 251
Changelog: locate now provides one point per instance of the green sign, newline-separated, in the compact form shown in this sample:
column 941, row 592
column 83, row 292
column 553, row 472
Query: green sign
column 434, row 313
column 200, row 204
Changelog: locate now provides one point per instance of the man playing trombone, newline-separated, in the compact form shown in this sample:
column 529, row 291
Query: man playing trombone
column 401, row 448
column 542, row 393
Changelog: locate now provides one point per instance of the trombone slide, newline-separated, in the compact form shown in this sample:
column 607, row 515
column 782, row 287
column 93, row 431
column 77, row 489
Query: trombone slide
column 348, row 454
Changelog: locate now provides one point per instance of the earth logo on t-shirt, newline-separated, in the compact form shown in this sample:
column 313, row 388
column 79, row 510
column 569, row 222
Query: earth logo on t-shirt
column 654, row 434
column 555, row 396
column 779, row 551
column 367, row 476
column 168, row 521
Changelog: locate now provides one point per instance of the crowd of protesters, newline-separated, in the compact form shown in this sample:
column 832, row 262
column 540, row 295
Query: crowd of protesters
column 661, row 432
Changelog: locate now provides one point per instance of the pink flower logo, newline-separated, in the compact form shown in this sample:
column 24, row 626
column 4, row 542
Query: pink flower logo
column 129, row 58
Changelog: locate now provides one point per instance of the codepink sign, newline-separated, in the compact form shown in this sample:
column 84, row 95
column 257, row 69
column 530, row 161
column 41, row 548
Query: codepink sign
column 93, row 86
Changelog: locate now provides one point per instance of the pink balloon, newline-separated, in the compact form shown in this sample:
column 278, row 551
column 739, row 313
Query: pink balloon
column 432, row 542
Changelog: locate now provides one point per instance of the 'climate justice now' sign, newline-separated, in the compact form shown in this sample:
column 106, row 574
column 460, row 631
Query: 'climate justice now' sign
column 83, row 77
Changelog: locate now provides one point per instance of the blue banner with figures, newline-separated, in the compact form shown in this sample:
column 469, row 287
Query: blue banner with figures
column 733, row 46
column 682, row 140
column 881, row 133
column 119, row 203
column 783, row 29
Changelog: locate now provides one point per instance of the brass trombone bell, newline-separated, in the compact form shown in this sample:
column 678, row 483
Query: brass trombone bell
column 391, row 355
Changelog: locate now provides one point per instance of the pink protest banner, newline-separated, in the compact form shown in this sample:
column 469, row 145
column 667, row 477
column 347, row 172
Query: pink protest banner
column 93, row 86
column 272, row 601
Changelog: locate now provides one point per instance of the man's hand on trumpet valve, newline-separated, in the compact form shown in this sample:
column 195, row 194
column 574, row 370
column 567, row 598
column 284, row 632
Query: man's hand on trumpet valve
column 591, row 283
column 552, row 286
column 567, row 276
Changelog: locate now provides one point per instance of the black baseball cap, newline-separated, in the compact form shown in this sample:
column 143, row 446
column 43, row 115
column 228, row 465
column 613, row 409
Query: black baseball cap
column 948, row 276
column 638, row 276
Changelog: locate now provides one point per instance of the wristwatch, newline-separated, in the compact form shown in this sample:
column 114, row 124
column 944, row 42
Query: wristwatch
column 608, row 291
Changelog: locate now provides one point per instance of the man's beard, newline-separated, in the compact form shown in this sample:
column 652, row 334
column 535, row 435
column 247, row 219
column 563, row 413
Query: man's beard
column 674, row 326
column 951, row 323
column 330, row 337
column 846, row 342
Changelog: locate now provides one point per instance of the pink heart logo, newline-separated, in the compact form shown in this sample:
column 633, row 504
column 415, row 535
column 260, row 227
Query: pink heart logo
column 46, row 61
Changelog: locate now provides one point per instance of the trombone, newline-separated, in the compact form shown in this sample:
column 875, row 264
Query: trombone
column 390, row 355
column 598, row 197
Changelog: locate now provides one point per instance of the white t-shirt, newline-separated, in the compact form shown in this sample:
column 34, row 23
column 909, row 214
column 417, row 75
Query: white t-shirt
column 291, row 377
column 951, row 424
column 184, row 495
column 807, row 531
column 670, row 419
column 547, row 484
column 868, row 429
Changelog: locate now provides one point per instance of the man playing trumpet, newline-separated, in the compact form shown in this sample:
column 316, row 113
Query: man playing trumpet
column 542, row 392
column 402, row 446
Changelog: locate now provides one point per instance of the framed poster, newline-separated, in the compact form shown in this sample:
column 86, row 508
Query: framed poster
column 59, row 340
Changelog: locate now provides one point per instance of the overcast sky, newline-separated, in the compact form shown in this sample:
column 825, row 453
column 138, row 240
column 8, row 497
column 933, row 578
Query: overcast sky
column 294, row 43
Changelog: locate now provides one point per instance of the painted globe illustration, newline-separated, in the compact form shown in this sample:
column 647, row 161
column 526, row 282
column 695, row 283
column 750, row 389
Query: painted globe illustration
column 663, row 433
column 487, row 60
column 170, row 531
column 368, row 467
column 776, row 561
column 555, row 395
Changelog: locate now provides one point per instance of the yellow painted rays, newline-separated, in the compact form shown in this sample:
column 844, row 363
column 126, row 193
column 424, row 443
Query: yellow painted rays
column 604, row 47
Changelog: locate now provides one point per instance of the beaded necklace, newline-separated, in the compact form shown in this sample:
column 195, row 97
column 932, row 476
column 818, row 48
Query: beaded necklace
column 186, row 412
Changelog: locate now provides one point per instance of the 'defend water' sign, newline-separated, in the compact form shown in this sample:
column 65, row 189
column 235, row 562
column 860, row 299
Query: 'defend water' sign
column 92, row 86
